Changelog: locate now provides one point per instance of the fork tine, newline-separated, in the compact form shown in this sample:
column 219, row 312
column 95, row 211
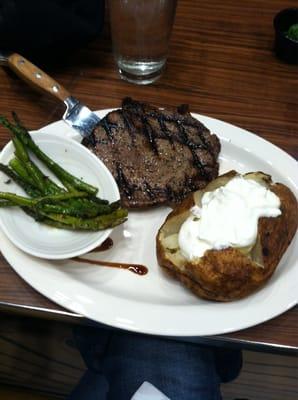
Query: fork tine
column 80, row 117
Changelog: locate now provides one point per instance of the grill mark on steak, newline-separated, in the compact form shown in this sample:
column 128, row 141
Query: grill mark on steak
column 183, row 135
column 192, row 146
column 149, row 190
column 149, row 133
column 107, row 128
column 164, row 128
column 181, row 125
column 129, row 125
column 156, row 155
column 123, row 182
column 181, row 128
column 147, row 129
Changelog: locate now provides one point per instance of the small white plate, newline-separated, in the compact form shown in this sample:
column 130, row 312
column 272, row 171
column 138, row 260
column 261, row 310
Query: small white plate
column 44, row 241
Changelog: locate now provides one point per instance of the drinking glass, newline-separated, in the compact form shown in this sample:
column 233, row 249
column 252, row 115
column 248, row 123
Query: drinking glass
column 141, row 31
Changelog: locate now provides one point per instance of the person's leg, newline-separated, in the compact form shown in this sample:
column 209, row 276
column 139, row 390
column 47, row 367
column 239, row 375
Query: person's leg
column 180, row 370
column 92, row 386
column 92, row 343
column 183, row 371
column 228, row 363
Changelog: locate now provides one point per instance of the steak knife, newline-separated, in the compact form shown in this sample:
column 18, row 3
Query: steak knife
column 77, row 115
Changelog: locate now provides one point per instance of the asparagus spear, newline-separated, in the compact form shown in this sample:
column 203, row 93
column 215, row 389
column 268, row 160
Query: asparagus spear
column 17, row 166
column 50, row 187
column 6, row 203
column 29, row 189
column 28, row 202
column 42, row 219
column 36, row 208
column 91, row 224
column 51, row 204
column 17, row 200
column 22, row 134
column 77, row 209
column 69, row 186
column 23, row 156
column 31, row 172
column 72, row 207
column 27, row 170
column 80, row 207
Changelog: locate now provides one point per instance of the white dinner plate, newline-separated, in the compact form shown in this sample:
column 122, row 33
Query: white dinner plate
column 155, row 303
column 41, row 240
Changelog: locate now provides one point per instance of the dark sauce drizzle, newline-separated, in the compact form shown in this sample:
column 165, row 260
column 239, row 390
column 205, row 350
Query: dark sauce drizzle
column 135, row 268
column 106, row 245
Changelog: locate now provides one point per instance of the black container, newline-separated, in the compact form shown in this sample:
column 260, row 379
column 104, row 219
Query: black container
column 286, row 48
column 48, row 29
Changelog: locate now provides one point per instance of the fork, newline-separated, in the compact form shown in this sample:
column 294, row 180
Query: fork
column 77, row 115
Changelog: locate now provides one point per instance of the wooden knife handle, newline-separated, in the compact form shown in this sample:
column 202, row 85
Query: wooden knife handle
column 36, row 77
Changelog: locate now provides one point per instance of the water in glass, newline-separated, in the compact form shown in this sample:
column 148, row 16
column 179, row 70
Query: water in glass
column 141, row 31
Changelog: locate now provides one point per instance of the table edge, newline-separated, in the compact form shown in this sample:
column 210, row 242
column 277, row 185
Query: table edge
column 216, row 340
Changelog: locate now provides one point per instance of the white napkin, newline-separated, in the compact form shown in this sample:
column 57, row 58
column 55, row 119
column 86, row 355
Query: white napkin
column 148, row 392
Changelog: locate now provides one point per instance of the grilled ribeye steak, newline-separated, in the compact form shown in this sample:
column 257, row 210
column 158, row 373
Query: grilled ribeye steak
column 156, row 155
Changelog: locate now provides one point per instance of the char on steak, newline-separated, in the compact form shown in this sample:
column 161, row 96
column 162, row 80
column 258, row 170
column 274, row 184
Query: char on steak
column 157, row 156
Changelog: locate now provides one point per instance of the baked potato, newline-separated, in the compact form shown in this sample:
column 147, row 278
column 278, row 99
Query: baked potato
column 230, row 273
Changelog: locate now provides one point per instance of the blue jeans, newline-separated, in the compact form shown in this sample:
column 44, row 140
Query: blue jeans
column 119, row 362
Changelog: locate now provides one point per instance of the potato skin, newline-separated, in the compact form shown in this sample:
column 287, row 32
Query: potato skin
column 228, row 274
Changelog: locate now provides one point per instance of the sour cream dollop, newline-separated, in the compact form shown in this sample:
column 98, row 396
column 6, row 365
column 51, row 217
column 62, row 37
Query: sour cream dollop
column 228, row 217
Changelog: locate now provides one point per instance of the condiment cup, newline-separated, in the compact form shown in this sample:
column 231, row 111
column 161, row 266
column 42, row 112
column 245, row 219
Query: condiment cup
column 286, row 48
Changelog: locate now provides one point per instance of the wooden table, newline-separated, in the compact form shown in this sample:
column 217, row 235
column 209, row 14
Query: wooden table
column 220, row 62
